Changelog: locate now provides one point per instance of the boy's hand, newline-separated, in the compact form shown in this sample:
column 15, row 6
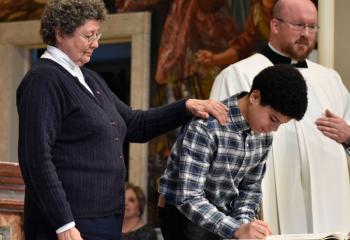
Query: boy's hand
column 256, row 229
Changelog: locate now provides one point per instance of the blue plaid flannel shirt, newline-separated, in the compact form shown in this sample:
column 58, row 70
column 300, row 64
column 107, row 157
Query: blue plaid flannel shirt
column 214, row 172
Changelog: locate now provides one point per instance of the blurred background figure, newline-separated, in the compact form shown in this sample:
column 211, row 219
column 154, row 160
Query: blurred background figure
column 133, row 226
column 189, row 26
column 255, row 34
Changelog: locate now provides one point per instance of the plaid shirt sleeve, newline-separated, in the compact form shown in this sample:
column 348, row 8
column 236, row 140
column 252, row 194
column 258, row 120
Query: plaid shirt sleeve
column 247, row 204
column 197, row 154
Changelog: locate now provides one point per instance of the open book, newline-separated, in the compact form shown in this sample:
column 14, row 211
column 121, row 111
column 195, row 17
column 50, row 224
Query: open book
column 315, row 236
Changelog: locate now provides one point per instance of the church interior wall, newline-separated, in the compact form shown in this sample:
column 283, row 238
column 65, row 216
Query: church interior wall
column 342, row 40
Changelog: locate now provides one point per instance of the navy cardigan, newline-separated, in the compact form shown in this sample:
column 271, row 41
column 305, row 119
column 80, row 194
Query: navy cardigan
column 71, row 143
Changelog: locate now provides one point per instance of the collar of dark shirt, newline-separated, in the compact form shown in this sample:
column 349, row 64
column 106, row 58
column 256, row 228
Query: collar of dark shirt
column 277, row 58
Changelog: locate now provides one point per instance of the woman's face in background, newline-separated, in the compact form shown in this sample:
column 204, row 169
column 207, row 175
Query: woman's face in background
column 132, row 208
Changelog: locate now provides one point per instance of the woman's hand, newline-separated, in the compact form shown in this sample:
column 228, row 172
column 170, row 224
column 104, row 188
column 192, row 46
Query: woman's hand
column 70, row 234
column 202, row 109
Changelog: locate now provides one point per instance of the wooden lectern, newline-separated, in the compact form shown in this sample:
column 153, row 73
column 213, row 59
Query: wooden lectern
column 11, row 201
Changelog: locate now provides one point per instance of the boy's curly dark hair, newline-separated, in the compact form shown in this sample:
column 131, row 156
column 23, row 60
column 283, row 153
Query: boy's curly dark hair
column 284, row 89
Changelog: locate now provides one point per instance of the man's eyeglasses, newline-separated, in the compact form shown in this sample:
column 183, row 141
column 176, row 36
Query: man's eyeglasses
column 300, row 26
column 92, row 38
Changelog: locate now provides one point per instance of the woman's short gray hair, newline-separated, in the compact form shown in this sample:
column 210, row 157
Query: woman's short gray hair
column 68, row 15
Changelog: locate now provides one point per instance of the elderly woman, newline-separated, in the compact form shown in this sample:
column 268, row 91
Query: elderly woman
column 72, row 130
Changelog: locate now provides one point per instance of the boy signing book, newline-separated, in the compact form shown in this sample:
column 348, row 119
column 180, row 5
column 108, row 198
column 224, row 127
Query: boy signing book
column 211, row 188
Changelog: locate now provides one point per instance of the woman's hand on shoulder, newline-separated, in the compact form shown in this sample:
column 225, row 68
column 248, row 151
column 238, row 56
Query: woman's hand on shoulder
column 202, row 109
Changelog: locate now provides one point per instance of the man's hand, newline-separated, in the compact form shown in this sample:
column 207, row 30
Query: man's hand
column 333, row 127
column 256, row 229
column 70, row 234
column 202, row 109
column 222, row 59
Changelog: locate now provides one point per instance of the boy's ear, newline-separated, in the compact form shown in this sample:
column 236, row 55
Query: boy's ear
column 255, row 97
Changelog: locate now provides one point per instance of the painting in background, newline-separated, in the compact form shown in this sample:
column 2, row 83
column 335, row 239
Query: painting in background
column 20, row 10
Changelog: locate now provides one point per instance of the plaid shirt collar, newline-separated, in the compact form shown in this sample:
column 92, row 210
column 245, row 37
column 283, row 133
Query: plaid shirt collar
column 238, row 122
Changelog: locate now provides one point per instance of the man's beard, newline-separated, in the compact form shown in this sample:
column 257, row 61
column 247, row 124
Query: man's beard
column 297, row 55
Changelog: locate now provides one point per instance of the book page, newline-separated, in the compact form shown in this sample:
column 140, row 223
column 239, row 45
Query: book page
column 315, row 236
